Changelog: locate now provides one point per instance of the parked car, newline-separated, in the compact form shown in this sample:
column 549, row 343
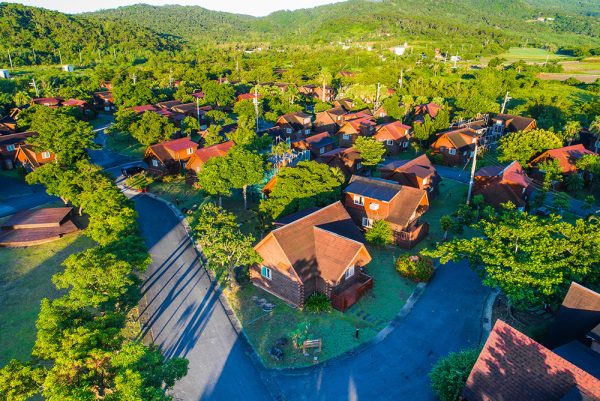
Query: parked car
column 131, row 171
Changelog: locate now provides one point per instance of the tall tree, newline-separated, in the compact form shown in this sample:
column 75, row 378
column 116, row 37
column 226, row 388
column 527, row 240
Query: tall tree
column 571, row 131
column 371, row 150
column 152, row 128
column 244, row 168
column 306, row 185
column 224, row 245
column 531, row 259
column 60, row 133
column 190, row 125
column 523, row 146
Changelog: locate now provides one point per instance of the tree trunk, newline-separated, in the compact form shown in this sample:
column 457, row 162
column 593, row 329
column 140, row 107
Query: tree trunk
column 445, row 236
column 220, row 201
column 80, row 210
column 245, row 199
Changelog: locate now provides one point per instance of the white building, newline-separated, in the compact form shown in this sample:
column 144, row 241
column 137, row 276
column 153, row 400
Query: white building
column 67, row 68
column 4, row 74
column 400, row 50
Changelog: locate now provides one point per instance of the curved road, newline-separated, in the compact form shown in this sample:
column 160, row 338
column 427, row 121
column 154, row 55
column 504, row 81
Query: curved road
column 186, row 318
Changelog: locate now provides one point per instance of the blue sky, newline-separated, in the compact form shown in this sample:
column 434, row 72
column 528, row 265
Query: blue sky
column 252, row 7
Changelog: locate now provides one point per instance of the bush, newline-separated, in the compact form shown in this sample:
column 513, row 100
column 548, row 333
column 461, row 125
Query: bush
column 449, row 375
column 380, row 234
column 300, row 334
column 318, row 303
column 416, row 268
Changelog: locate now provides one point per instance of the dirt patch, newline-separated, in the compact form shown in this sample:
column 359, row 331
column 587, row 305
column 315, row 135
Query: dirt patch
column 533, row 322
column 588, row 79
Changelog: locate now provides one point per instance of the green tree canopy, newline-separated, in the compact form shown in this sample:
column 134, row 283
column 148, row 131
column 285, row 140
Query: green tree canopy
column 371, row 150
column 219, row 94
column 60, row 133
column 531, row 259
column 306, row 185
column 523, row 146
column 224, row 245
column 152, row 128
column 380, row 233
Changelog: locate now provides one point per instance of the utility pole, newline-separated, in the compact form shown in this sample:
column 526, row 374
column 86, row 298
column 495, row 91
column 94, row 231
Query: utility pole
column 377, row 96
column 134, row 78
column 255, row 101
column 506, row 99
column 171, row 78
column 37, row 92
column 10, row 60
column 60, row 56
column 473, row 166
column 401, row 80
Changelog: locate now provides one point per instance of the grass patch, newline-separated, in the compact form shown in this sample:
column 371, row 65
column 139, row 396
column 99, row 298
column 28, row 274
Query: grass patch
column 124, row 144
column 25, row 278
column 337, row 330
column 451, row 195
column 531, row 54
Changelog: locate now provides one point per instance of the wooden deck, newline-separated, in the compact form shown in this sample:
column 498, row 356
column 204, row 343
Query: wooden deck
column 34, row 227
column 345, row 298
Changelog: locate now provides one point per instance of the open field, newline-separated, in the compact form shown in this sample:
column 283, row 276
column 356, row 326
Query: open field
column 585, row 78
column 337, row 330
column 530, row 55
column 25, row 278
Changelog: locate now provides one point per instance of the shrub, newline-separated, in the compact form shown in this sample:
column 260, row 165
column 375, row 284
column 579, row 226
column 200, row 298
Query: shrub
column 415, row 267
column 318, row 303
column 380, row 234
column 300, row 334
column 449, row 375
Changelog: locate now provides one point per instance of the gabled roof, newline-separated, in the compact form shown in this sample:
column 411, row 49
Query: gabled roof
column 513, row 174
column 420, row 166
column 460, row 138
column 144, row 108
column 165, row 151
column 357, row 123
column 13, row 139
column 217, row 150
column 30, row 155
column 74, row 102
column 374, row 188
column 47, row 100
column 566, row 157
column 319, row 140
column 168, row 104
column 512, row 366
column 430, row 108
column 514, row 123
column 320, row 244
column 394, row 131
column 350, row 153
column 366, row 113
column 248, row 96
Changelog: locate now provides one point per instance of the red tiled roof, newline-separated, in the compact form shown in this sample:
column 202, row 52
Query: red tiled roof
column 566, row 157
column 512, row 366
column 179, row 144
column 75, row 102
column 430, row 108
column 322, row 243
column 141, row 109
column 361, row 122
column 220, row 149
column 47, row 100
column 394, row 131
column 199, row 95
column 248, row 96
column 420, row 166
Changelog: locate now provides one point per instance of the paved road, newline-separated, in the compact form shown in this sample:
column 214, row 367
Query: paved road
column 186, row 317
column 446, row 318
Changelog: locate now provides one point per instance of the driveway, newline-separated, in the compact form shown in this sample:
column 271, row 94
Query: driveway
column 184, row 315
column 447, row 318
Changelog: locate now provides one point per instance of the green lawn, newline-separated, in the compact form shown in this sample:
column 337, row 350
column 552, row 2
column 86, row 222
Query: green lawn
column 451, row 195
column 124, row 144
column 25, row 278
column 531, row 54
column 371, row 314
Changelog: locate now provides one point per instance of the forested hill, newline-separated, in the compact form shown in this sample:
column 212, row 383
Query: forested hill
column 34, row 33
column 576, row 23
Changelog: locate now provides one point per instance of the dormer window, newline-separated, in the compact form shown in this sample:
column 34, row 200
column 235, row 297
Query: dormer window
column 45, row 155
column 266, row 272
column 452, row 151
column 154, row 163
column 359, row 200
column 10, row 148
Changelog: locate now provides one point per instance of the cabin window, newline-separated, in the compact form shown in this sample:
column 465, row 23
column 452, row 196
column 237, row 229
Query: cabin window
column 190, row 151
column 452, row 151
column 389, row 142
column 349, row 272
column 154, row 163
column 405, row 144
column 358, row 165
column 45, row 155
column 367, row 222
column 382, row 113
column 288, row 130
column 346, row 136
column 425, row 181
column 339, row 118
column 359, row 200
column 10, row 148
column 307, row 131
column 266, row 272
column 321, row 151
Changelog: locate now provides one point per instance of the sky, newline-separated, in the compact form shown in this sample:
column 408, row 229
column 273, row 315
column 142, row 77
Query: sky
column 251, row 7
